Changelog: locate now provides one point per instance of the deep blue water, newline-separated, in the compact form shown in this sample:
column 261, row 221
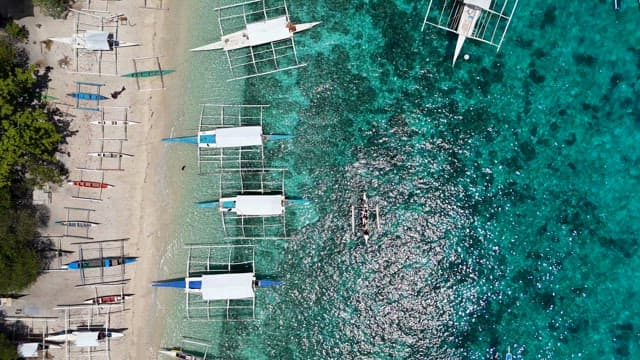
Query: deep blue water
column 508, row 188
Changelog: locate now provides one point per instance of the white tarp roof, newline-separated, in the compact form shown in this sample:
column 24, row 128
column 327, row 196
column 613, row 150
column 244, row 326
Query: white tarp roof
column 28, row 349
column 264, row 32
column 483, row 4
column 227, row 286
column 86, row 338
column 259, row 205
column 239, row 136
column 96, row 40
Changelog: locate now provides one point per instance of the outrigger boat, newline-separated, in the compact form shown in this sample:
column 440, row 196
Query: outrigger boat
column 253, row 205
column 109, row 154
column 84, row 338
column 90, row 184
column 108, row 299
column 473, row 19
column 364, row 215
column 471, row 12
column 220, row 286
column 87, row 96
column 31, row 349
column 228, row 137
column 94, row 40
column 100, row 262
column 148, row 73
column 77, row 223
column 115, row 122
column 179, row 354
column 258, row 33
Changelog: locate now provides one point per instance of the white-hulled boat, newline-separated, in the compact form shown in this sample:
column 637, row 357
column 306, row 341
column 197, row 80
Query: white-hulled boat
column 471, row 12
column 84, row 338
column 258, row 33
column 93, row 40
column 179, row 354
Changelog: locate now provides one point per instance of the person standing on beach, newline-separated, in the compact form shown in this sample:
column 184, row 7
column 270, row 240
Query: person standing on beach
column 115, row 94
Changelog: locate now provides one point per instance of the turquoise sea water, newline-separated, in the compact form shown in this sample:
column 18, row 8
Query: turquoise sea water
column 508, row 187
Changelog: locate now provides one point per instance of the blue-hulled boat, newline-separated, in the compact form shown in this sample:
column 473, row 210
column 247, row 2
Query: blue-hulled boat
column 98, row 263
column 87, row 96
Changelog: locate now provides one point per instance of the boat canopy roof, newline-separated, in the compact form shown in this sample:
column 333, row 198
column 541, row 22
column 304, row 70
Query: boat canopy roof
column 28, row 350
column 483, row 4
column 227, row 286
column 234, row 137
column 96, row 40
column 257, row 33
column 86, row 338
column 260, row 205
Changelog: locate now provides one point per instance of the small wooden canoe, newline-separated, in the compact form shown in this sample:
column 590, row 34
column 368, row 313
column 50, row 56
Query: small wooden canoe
column 148, row 73
column 114, row 122
column 109, row 154
column 108, row 299
column 77, row 223
column 90, row 184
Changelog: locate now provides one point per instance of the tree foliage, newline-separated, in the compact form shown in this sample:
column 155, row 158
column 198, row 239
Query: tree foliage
column 8, row 350
column 31, row 134
column 16, row 32
column 53, row 8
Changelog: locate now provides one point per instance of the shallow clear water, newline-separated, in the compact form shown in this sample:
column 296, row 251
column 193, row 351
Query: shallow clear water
column 508, row 187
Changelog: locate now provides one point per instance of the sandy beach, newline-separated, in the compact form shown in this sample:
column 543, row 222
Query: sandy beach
column 134, row 208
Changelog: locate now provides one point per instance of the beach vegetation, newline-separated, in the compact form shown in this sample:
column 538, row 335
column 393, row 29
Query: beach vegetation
column 18, row 33
column 8, row 350
column 32, row 134
column 54, row 8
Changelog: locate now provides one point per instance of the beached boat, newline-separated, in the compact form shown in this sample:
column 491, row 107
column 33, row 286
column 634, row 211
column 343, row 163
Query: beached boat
column 109, row 299
column 228, row 137
column 114, row 122
column 258, row 33
column 109, row 154
column 84, row 338
column 99, row 262
column 220, row 286
column 179, row 354
column 31, row 349
column 89, row 184
column 77, row 223
column 148, row 73
column 253, row 205
column 93, row 40
column 87, row 96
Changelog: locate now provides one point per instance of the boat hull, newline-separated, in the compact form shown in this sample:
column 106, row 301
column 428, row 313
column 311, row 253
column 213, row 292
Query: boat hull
column 114, row 122
column 90, row 184
column 87, row 96
column 148, row 73
column 77, row 223
column 220, row 44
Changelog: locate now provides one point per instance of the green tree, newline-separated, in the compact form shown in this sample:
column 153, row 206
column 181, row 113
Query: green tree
column 30, row 137
column 8, row 350
column 16, row 32
column 53, row 8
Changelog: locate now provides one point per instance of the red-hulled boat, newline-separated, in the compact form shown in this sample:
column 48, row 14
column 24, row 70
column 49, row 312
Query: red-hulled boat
column 108, row 299
column 90, row 184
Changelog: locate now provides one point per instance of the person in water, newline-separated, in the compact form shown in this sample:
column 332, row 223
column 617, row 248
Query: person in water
column 115, row 94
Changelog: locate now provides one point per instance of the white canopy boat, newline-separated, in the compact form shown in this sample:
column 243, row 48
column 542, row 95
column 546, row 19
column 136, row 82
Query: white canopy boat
column 94, row 40
column 258, row 33
column 471, row 12
column 84, row 338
